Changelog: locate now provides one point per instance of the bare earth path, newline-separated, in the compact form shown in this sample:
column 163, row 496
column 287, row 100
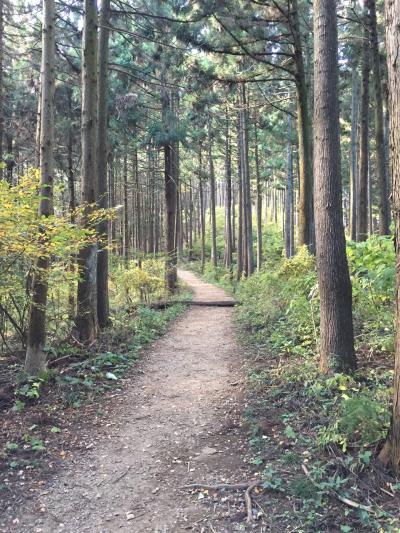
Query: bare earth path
column 176, row 421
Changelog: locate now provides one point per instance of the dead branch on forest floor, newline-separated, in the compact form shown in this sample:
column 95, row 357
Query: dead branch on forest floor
column 343, row 499
column 248, row 487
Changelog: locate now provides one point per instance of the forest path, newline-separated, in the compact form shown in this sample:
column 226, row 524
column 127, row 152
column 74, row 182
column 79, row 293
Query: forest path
column 177, row 420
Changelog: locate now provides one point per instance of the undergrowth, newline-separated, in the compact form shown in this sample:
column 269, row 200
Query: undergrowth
column 316, row 438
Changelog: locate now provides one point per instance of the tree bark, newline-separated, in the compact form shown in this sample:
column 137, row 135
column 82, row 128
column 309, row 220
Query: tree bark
column 248, row 255
column 306, row 203
column 214, row 259
column 1, row 84
column 35, row 361
column 170, row 197
column 289, row 229
column 202, row 214
column 103, row 306
column 390, row 454
column 239, row 254
column 336, row 327
column 125, row 226
column 362, row 230
column 382, row 178
column 228, row 197
column 72, row 201
column 86, row 320
column 354, row 152
column 258, row 198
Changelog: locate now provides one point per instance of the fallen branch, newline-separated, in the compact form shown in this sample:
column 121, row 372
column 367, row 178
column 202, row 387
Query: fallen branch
column 53, row 362
column 248, row 487
column 343, row 499
column 218, row 486
column 200, row 303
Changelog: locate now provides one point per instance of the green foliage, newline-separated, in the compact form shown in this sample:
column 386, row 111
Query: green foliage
column 30, row 390
column 35, row 444
column 372, row 264
column 25, row 236
column 361, row 419
column 137, row 283
column 275, row 305
column 330, row 425
column 271, row 479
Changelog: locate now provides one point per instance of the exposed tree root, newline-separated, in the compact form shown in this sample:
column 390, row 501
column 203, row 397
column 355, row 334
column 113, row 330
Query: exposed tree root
column 248, row 487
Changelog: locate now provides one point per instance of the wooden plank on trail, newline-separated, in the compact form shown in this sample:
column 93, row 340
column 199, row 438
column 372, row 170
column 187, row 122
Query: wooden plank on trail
column 202, row 303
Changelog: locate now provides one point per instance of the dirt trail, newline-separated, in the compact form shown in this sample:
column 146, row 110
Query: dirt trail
column 176, row 421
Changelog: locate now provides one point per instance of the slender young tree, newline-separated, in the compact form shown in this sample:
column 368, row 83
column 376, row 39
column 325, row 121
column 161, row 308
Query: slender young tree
column 35, row 361
column 390, row 454
column 336, row 337
column 86, row 319
column 103, row 307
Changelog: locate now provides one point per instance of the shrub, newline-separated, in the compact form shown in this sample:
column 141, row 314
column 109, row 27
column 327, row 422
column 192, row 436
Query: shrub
column 133, row 284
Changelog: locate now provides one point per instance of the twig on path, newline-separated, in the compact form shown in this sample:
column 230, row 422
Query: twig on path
column 248, row 487
column 122, row 475
column 52, row 362
column 343, row 499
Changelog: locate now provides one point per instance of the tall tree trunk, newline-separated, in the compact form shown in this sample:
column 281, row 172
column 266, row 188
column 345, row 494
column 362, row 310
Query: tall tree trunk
column 354, row 152
column 103, row 306
column 1, row 83
column 138, row 201
column 38, row 127
column 362, row 230
column 190, row 229
column 390, row 454
column 239, row 254
column 289, row 193
column 336, row 327
column 86, row 320
column 258, row 198
column 202, row 214
column 125, row 225
column 384, row 209
column 72, row 200
column 228, row 197
column 170, row 195
column 35, row 361
column 214, row 259
column 306, row 202
column 247, row 206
